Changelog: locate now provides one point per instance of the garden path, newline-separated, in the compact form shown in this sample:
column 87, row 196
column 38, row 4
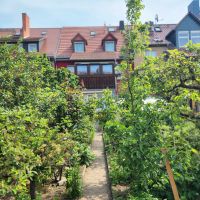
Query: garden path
column 95, row 180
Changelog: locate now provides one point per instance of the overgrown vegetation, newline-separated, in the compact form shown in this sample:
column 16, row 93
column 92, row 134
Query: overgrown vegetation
column 45, row 123
column 136, row 130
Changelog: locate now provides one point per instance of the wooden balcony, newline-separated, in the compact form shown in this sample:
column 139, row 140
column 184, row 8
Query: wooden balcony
column 98, row 81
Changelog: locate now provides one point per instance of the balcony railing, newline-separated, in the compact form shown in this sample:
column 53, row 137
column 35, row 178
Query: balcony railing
column 98, row 82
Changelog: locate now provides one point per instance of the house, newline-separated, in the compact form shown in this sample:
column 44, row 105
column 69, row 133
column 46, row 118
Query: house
column 92, row 53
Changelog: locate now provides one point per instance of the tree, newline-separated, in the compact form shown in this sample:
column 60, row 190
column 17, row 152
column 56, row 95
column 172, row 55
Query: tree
column 134, row 140
column 136, row 38
column 37, row 121
column 175, row 77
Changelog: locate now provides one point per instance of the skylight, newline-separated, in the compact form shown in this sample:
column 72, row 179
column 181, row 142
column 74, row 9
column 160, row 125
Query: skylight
column 92, row 33
column 157, row 29
column 111, row 29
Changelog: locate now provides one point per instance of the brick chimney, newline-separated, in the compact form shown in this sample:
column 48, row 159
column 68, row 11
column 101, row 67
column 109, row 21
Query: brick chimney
column 25, row 25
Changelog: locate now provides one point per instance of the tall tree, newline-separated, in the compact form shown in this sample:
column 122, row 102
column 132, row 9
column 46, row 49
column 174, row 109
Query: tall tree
column 136, row 42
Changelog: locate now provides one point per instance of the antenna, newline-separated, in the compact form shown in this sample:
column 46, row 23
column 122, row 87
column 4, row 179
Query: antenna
column 157, row 19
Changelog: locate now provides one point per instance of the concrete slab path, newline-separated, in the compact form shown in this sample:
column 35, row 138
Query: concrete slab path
column 95, row 181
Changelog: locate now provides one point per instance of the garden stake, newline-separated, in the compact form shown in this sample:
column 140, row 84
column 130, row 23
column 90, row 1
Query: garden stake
column 171, row 177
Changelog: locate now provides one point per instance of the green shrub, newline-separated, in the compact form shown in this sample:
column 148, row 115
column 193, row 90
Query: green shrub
column 142, row 196
column 73, row 183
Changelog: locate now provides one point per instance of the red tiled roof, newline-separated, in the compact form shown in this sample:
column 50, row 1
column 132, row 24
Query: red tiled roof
column 57, row 42
column 94, row 43
column 50, row 41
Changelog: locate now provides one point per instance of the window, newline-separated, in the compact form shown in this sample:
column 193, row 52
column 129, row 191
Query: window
column 151, row 53
column 81, row 69
column 71, row 69
column 195, row 37
column 92, row 33
column 10, row 44
column 183, row 38
column 107, row 69
column 111, row 29
column 94, row 69
column 79, row 47
column 157, row 29
column 110, row 46
column 32, row 47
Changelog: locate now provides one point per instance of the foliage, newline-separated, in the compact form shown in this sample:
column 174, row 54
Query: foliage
column 135, row 137
column 43, row 120
column 73, row 183
column 107, row 108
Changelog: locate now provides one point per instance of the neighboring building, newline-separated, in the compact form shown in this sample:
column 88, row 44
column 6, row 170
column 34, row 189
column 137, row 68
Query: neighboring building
column 158, row 41
column 188, row 29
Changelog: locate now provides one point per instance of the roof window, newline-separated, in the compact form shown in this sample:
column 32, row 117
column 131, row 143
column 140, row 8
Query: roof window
column 111, row 29
column 157, row 29
column 93, row 33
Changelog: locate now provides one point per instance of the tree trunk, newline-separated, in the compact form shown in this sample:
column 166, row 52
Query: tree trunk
column 33, row 189
column 60, row 173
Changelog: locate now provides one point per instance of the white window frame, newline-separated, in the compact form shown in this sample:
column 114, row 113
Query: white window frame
column 151, row 53
column 30, row 47
column 183, row 37
column 195, row 37
column 95, row 72
column 71, row 67
column 82, row 72
column 106, row 47
column 78, row 51
column 106, row 72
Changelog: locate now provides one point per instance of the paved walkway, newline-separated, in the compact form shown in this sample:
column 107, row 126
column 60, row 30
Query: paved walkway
column 95, row 179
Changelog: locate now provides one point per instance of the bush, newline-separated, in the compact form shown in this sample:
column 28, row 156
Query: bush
column 73, row 183
column 143, row 196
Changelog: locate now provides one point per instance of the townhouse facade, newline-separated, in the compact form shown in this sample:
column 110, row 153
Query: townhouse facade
column 93, row 52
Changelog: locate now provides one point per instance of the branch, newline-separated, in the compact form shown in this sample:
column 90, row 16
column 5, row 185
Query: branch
column 192, row 87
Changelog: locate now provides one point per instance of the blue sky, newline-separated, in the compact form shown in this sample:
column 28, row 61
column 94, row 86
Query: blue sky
column 58, row 13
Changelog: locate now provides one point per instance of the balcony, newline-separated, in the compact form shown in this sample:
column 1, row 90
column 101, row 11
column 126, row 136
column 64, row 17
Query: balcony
column 98, row 82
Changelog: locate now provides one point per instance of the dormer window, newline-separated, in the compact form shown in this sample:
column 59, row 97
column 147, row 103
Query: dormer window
column 79, row 47
column 110, row 46
column 109, row 43
column 79, row 43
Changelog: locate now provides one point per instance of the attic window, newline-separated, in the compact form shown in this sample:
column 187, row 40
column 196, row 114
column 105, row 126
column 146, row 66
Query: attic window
column 157, row 29
column 110, row 46
column 109, row 42
column 92, row 33
column 79, row 43
column 111, row 29
column 79, row 47
column 43, row 33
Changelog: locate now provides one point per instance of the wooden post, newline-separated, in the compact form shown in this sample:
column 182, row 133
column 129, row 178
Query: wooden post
column 171, row 177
